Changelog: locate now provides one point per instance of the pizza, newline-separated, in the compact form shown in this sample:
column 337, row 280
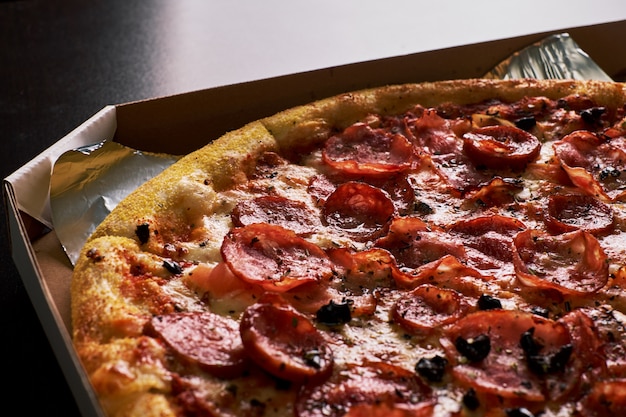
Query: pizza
column 454, row 248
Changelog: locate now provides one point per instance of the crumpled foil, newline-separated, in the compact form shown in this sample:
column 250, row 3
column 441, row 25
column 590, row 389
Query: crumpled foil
column 554, row 57
column 88, row 183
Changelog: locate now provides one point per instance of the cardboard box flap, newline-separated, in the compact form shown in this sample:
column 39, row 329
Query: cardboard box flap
column 31, row 183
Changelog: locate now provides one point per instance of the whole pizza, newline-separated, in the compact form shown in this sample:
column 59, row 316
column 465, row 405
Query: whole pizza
column 455, row 248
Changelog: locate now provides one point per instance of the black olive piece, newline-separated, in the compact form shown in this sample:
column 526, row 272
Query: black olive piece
column 422, row 208
column 518, row 412
column 432, row 369
column 470, row 400
column 476, row 349
column 529, row 344
column 560, row 358
column 335, row 313
column 543, row 364
column 526, row 123
column 172, row 266
column 487, row 302
column 592, row 115
column 143, row 232
column 540, row 311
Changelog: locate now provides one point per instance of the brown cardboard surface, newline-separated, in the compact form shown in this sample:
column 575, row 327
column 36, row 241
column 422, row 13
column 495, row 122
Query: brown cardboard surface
column 199, row 117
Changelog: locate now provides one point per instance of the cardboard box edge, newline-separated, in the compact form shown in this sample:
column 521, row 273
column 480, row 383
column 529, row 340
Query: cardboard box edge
column 60, row 339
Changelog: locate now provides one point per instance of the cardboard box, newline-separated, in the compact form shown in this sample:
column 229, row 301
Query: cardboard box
column 204, row 115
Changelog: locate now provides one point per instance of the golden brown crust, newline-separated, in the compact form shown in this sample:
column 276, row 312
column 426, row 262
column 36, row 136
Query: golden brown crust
column 316, row 120
column 108, row 323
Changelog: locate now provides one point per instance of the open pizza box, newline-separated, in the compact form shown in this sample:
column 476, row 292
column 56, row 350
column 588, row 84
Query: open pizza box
column 158, row 125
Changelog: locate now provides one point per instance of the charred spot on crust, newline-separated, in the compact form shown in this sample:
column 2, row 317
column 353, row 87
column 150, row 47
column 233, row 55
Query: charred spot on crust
column 143, row 232
column 172, row 266
column 94, row 255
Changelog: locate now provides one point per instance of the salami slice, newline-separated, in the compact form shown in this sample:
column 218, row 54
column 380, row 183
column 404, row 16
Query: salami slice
column 360, row 387
column 273, row 257
column 571, row 212
column 284, row 342
column 362, row 150
column 570, row 263
column 538, row 349
column 414, row 243
column 490, row 239
column 204, row 339
column 280, row 211
column 361, row 210
column 501, row 147
column 427, row 307
column 594, row 163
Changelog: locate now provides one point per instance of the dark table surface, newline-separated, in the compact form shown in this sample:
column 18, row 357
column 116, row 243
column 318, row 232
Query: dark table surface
column 60, row 63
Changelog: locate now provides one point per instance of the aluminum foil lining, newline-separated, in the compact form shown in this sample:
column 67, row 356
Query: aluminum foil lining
column 554, row 57
column 87, row 183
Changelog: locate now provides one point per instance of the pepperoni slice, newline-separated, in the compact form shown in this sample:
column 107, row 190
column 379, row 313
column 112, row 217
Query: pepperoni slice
column 400, row 192
column 320, row 187
column 519, row 341
column 490, row 237
column 595, row 164
column 357, row 387
column 588, row 362
column 607, row 398
column 573, row 263
column 205, row 339
column 567, row 213
column 368, row 269
column 281, row 211
column 359, row 209
column 497, row 192
column 501, row 147
column 273, row 257
column 428, row 307
column 414, row 243
column 434, row 134
column 285, row 342
column 362, row 150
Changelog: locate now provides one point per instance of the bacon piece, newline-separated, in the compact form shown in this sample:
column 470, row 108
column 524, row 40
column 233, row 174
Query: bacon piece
column 205, row 339
column 571, row 212
column 273, row 257
column 285, row 342
column 519, row 341
column 359, row 209
column 573, row 263
column 281, row 211
column 362, row 150
column 594, row 163
column 428, row 307
column 501, row 147
column 371, row 386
